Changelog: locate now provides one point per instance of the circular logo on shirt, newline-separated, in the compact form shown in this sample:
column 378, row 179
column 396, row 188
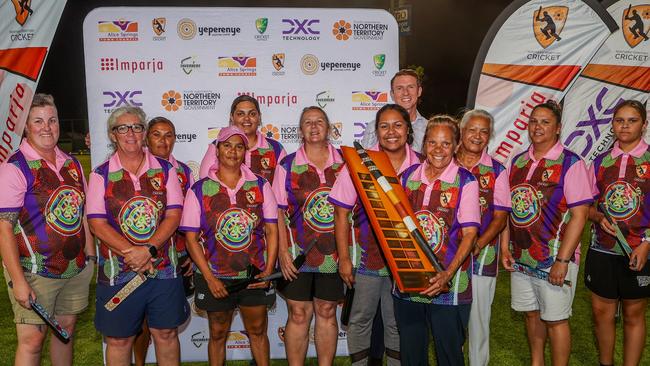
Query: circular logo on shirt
column 318, row 212
column 234, row 229
column 622, row 200
column 64, row 210
column 526, row 206
column 139, row 218
column 432, row 227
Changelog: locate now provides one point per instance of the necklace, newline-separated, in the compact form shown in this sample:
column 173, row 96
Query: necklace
column 139, row 165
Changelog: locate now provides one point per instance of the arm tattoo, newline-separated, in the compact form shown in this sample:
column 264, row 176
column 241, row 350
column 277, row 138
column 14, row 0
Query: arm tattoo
column 10, row 217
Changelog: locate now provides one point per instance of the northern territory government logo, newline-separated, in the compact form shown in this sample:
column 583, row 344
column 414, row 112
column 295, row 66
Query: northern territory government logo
column 277, row 60
column 261, row 24
column 158, row 26
column 379, row 61
column 636, row 24
column 548, row 23
column 117, row 31
column 23, row 10
column 343, row 30
column 237, row 66
column 368, row 100
column 189, row 100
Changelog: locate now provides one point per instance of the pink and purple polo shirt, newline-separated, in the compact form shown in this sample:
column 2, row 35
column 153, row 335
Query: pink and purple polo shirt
column 185, row 179
column 49, row 201
column 231, row 221
column 134, row 205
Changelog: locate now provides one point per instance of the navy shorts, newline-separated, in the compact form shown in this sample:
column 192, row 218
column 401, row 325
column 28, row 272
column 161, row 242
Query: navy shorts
column 162, row 302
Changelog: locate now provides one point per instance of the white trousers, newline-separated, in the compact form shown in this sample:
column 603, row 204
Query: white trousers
column 479, row 319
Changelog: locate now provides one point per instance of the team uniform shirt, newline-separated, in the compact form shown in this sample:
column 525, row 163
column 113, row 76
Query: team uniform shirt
column 185, row 180
column 443, row 208
column 49, row 202
column 231, row 221
column 134, row 206
column 261, row 159
column 419, row 126
column 542, row 192
column 622, row 183
column 302, row 190
column 494, row 194
column 364, row 250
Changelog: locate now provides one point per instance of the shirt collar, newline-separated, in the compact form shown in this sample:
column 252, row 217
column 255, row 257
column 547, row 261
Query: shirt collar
column 448, row 175
column 31, row 153
column 261, row 142
column 246, row 175
column 552, row 154
column 114, row 164
column 172, row 160
column 637, row 152
column 333, row 156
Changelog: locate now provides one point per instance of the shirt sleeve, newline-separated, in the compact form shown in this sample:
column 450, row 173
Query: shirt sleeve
column 191, row 218
column 502, row 192
column 270, row 206
column 279, row 191
column 95, row 204
column 12, row 194
column 343, row 193
column 283, row 154
column 174, row 191
column 591, row 172
column 469, row 212
column 576, row 180
column 208, row 160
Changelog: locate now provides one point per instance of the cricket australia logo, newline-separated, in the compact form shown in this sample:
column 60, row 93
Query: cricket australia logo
column 65, row 210
column 234, row 229
column 433, row 228
column 622, row 200
column 548, row 24
column 526, row 205
column 138, row 219
column 318, row 212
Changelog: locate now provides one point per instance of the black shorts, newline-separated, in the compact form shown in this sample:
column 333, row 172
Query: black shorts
column 310, row 285
column 609, row 276
column 204, row 299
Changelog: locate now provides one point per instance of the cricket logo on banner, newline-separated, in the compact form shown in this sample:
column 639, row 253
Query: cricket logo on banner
column 548, row 24
column 636, row 24
column 23, row 10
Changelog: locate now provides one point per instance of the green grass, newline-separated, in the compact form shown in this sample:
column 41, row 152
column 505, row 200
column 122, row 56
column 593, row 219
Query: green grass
column 508, row 345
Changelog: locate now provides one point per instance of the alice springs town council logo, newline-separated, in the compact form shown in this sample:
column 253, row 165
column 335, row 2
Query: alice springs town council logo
column 548, row 23
column 526, row 205
column 234, row 228
column 138, row 219
column 636, row 24
column 432, row 227
column 622, row 200
column 318, row 212
column 64, row 210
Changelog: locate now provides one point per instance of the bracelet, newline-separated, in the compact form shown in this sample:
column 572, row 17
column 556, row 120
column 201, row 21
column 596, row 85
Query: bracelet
column 558, row 259
column 92, row 258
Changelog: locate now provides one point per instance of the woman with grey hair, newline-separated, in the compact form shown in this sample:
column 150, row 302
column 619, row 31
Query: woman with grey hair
column 476, row 128
column 134, row 207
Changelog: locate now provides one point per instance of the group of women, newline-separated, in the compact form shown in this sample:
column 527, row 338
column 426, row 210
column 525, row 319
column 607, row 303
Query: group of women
column 255, row 206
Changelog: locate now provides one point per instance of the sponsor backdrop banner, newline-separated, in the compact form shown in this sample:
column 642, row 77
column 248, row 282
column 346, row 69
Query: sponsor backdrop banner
column 620, row 70
column 26, row 30
column 188, row 64
column 533, row 52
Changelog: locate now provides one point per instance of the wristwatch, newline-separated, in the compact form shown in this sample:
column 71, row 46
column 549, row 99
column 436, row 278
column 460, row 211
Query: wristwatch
column 152, row 250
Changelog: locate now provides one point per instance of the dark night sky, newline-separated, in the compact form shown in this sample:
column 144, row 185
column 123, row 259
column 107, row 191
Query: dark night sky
column 445, row 39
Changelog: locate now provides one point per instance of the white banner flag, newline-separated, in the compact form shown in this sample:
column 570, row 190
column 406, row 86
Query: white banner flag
column 620, row 70
column 26, row 31
column 533, row 52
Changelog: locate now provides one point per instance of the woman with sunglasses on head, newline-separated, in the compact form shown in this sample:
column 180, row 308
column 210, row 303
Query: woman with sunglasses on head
column 302, row 184
column 134, row 207
column 262, row 153
column 622, row 183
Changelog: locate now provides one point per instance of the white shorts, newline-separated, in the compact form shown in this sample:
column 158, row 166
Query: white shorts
column 553, row 302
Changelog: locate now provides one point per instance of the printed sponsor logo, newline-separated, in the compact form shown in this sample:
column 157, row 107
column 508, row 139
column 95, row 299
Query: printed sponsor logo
column 190, row 100
column 548, row 23
column 237, row 66
column 336, row 132
column 218, row 31
column 268, row 100
column 158, row 26
column 636, row 24
column 261, row 24
column 117, row 30
column 324, row 98
column 237, row 339
column 310, row 65
column 300, row 29
column 368, row 100
column 23, row 10
column 270, row 131
column 186, row 29
column 343, row 30
column 199, row 338
column 277, row 59
column 116, row 98
column 132, row 66
column 379, row 61
column 189, row 64
column 643, row 280
column 359, row 129
column 185, row 137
